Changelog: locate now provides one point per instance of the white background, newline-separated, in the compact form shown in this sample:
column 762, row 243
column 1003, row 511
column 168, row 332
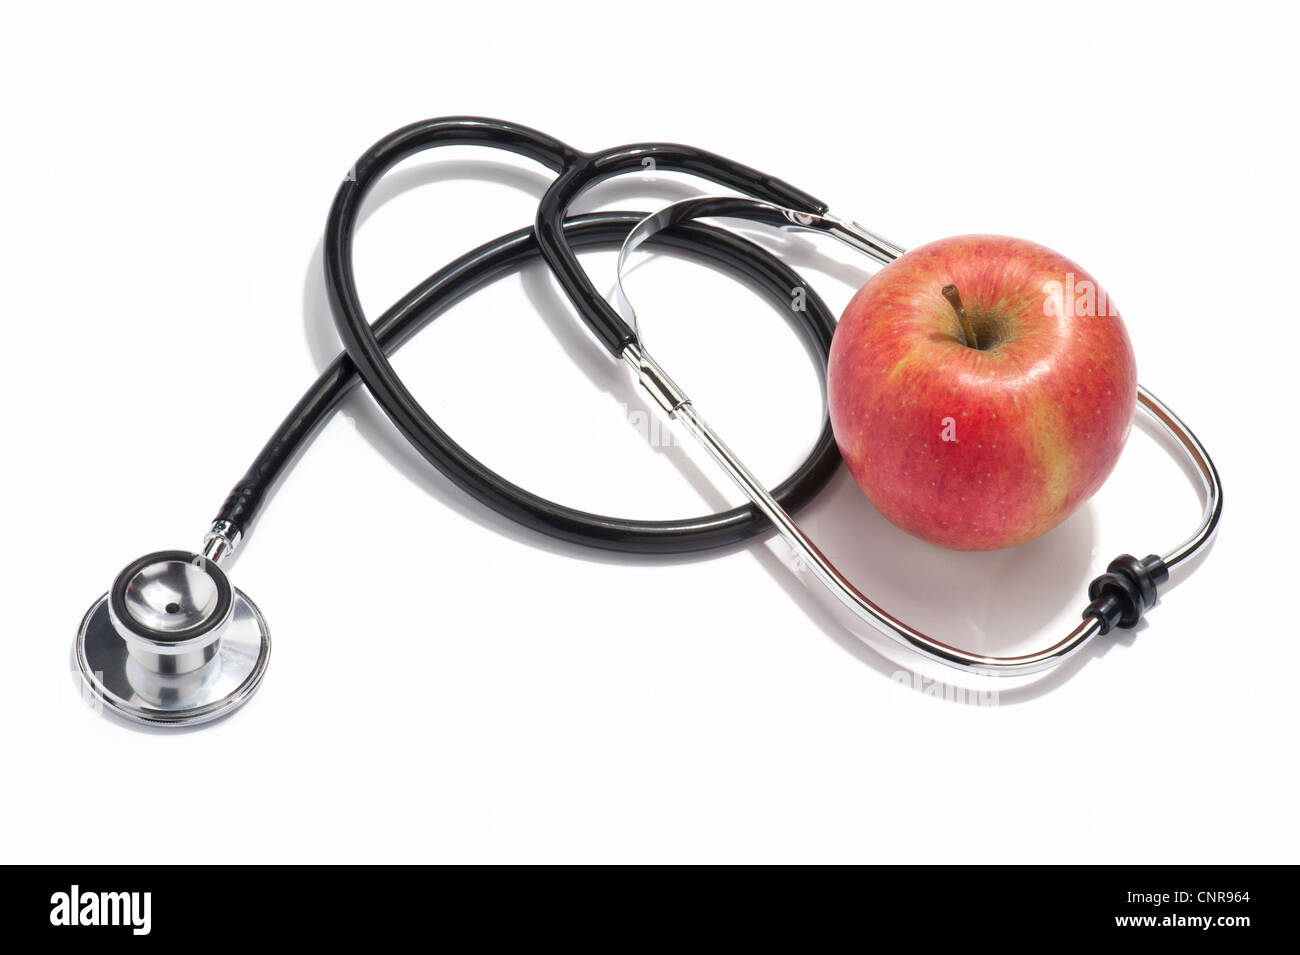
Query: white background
column 445, row 686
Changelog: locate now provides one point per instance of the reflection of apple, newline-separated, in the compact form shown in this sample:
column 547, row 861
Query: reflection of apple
column 988, row 443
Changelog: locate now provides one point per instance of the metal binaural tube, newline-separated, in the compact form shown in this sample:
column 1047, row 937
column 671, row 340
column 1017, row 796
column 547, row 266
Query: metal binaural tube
column 1211, row 487
column 679, row 407
column 854, row 599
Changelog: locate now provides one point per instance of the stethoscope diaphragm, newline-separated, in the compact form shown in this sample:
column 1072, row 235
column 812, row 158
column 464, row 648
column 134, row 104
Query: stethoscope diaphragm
column 172, row 642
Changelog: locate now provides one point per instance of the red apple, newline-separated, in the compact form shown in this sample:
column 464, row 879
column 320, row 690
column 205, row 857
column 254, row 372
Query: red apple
column 984, row 444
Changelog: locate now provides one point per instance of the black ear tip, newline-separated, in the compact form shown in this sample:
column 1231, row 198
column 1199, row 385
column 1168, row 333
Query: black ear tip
column 1127, row 589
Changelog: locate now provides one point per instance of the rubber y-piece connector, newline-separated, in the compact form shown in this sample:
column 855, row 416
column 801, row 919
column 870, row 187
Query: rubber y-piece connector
column 1127, row 589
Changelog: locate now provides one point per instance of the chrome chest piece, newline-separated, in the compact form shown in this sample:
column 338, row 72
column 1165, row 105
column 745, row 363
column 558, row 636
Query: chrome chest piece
column 172, row 642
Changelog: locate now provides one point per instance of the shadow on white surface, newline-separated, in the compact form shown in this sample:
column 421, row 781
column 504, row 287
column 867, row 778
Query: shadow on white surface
column 997, row 602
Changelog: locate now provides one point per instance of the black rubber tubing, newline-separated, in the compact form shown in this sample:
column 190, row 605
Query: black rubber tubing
column 579, row 176
column 367, row 347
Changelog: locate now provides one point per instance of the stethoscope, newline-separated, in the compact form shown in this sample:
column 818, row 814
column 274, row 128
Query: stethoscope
column 174, row 643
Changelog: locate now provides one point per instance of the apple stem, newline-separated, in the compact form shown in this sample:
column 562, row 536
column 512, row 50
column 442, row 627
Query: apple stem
column 954, row 299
